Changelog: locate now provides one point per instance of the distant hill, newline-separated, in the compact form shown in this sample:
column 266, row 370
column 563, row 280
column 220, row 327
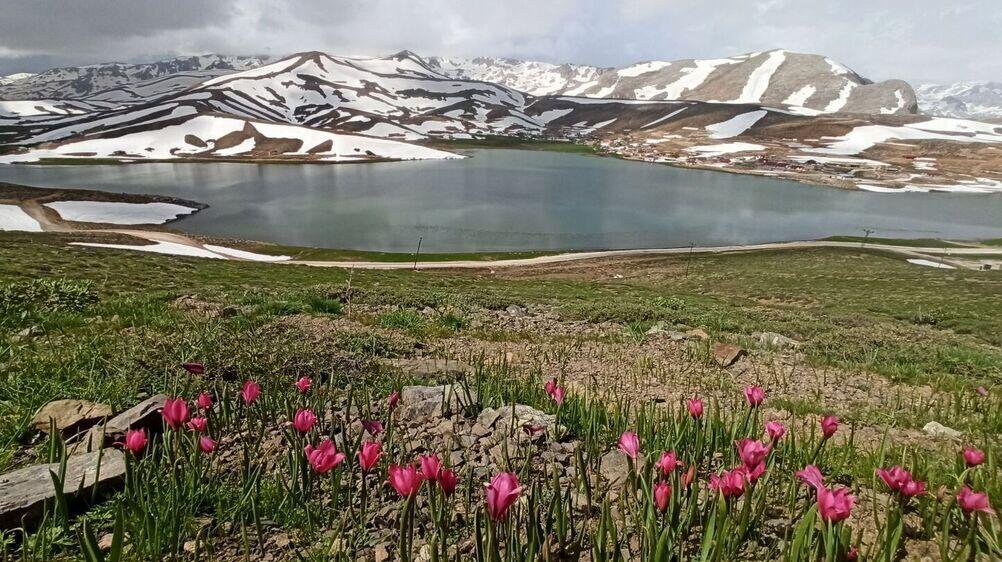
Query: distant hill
column 969, row 100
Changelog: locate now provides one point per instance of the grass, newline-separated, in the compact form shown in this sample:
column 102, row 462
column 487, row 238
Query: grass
column 104, row 326
column 329, row 254
column 519, row 143
column 909, row 242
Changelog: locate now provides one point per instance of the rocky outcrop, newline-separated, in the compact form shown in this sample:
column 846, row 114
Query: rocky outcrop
column 69, row 416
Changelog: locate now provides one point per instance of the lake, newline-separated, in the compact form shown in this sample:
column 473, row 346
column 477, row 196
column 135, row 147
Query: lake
column 507, row 200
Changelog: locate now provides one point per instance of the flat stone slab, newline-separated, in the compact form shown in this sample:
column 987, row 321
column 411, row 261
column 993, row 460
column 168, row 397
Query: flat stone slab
column 422, row 366
column 420, row 401
column 506, row 421
column 69, row 415
column 143, row 415
column 23, row 492
column 726, row 354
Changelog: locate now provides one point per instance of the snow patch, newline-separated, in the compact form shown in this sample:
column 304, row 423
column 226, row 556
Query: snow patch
column 119, row 213
column 13, row 217
column 800, row 97
column 245, row 255
column 758, row 81
column 711, row 150
column 642, row 68
column 735, row 125
column 842, row 99
column 930, row 263
column 168, row 248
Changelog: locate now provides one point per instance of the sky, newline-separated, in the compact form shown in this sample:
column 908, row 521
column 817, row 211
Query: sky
column 916, row 40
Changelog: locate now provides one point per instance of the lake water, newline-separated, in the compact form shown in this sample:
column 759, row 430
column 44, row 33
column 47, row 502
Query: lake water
column 500, row 200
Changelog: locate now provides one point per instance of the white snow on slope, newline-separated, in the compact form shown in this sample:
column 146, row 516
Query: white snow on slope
column 169, row 248
column 800, row 97
column 13, row 217
column 864, row 137
column 930, row 263
column 694, row 78
column 29, row 108
column 665, row 118
column 245, row 145
column 245, row 255
column 725, row 148
column 642, row 68
column 735, row 125
column 118, row 212
column 842, row 99
column 899, row 104
column 758, row 81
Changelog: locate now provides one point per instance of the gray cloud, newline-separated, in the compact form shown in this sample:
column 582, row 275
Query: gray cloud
column 918, row 40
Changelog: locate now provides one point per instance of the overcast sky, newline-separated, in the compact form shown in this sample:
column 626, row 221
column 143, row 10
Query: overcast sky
column 917, row 40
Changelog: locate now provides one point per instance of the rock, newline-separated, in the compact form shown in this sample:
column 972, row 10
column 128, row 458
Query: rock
column 774, row 340
column 515, row 311
column 380, row 553
column 936, row 429
column 105, row 542
column 145, row 414
column 69, row 415
column 657, row 328
column 499, row 420
column 697, row 334
column 726, row 354
column 615, row 467
column 423, row 401
column 24, row 491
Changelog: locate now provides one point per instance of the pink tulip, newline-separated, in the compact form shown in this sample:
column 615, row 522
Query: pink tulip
column 835, row 505
column 730, row 483
column 982, row 391
column 324, row 457
column 668, row 462
column 204, row 401
column 372, row 427
column 971, row 501
column 550, row 386
column 194, row 368
column 689, row 476
column 198, row 424
column 370, row 454
column 405, row 480
column 752, row 473
column 912, row 488
column 558, row 395
column 852, row 555
column 629, row 443
column 304, row 384
column 811, row 477
column 695, row 408
column 206, row 444
column 829, row 425
column 431, row 467
column 502, row 493
column 752, row 452
column 392, row 400
column 662, row 493
column 754, row 395
column 175, row 412
column 775, row 430
column 895, row 477
column 973, row 457
column 304, row 421
column 135, row 440
column 250, row 391
column 447, row 480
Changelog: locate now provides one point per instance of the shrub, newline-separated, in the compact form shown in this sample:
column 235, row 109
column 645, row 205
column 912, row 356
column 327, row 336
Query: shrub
column 40, row 296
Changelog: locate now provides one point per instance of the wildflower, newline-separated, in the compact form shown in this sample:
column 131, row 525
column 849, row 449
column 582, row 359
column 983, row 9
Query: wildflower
column 250, row 391
column 199, row 424
column 175, row 412
column 754, row 395
column 304, row 420
column 971, row 501
column 368, row 456
column 695, row 408
column 392, row 399
column 324, row 457
column 982, row 391
column 835, row 505
column 668, row 462
column 431, row 467
column 550, row 386
column 852, row 555
column 629, row 443
column 811, row 477
column 901, row 481
column 135, row 440
column 372, row 427
column 502, row 493
column 662, row 493
column 752, row 473
column 405, row 480
column 829, row 425
column 194, row 368
column 206, row 444
column 204, row 400
column 558, row 395
column 304, row 384
column 775, row 430
column 730, row 483
column 752, row 452
column 689, row 476
column 447, row 480
column 912, row 488
column 973, row 457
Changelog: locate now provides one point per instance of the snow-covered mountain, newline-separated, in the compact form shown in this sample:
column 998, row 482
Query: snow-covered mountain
column 774, row 78
column 114, row 80
column 11, row 78
column 973, row 100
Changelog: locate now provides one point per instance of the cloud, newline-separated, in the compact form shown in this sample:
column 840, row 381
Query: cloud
column 913, row 39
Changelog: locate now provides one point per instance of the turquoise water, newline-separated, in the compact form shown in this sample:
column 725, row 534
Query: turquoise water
column 506, row 200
